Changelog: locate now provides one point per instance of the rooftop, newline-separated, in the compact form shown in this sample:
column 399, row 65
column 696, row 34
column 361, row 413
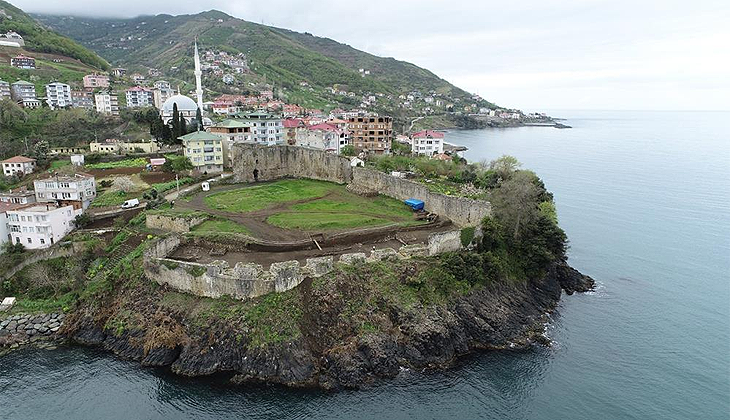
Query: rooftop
column 18, row 159
column 230, row 123
column 66, row 178
column 200, row 136
column 428, row 134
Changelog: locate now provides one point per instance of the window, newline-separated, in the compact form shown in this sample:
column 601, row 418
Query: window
column 43, row 241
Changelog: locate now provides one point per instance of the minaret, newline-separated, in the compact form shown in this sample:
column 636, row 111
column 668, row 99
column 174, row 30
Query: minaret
column 198, row 75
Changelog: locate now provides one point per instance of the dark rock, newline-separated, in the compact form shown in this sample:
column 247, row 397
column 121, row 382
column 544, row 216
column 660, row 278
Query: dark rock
column 571, row 280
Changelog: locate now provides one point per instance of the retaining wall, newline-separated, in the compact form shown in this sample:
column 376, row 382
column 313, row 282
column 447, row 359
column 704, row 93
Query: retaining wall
column 178, row 224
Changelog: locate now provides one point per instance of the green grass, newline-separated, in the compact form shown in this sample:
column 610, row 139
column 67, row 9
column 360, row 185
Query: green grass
column 113, row 198
column 325, row 221
column 348, row 202
column 56, row 164
column 248, row 199
column 221, row 225
column 126, row 163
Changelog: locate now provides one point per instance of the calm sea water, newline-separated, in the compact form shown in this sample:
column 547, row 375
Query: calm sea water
column 645, row 200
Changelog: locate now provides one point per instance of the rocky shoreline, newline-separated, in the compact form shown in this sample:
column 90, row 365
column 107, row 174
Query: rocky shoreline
column 17, row 330
column 502, row 316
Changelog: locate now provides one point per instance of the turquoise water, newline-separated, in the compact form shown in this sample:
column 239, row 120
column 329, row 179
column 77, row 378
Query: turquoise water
column 645, row 200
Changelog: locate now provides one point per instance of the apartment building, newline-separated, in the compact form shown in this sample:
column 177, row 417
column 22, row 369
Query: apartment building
column 232, row 132
column 107, row 103
column 427, row 142
column 18, row 196
column 96, row 81
column 77, row 190
column 4, row 89
column 22, row 90
column 266, row 127
column 372, row 134
column 23, row 62
column 58, row 95
column 82, row 99
column 205, row 151
column 140, row 97
column 18, row 165
column 40, row 225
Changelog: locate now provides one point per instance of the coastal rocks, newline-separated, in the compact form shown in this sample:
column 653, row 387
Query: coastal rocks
column 571, row 280
column 24, row 328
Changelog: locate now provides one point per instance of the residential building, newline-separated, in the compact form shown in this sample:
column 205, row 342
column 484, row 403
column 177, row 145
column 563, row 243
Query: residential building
column 107, row 103
column 67, row 151
column 96, row 81
column 40, row 225
column 82, row 99
column 18, row 196
column 11, row 39
column 18, row 165
column 291, row 127
column 58, row 95
column 4, row 227
column 119, row 72
column 427, row 142
column 23, row 62
column 373, row 134
column 77, row 190
column 23, row 91
column 138, row 79
column 321, row 136
column 139, row 97
column 205, row 151
column 114, row 146
column 162, row 84
column 266, row 127
column 161, row 95
column 232, row 131
column 4, row 89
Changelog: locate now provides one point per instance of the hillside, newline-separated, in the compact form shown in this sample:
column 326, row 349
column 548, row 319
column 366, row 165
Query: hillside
column 42, row 40
column 276, row 56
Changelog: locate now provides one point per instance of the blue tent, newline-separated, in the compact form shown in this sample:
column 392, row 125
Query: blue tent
column 414, row 204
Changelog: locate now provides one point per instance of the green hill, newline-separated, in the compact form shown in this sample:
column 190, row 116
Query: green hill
column 42, row 40
column 276, row 56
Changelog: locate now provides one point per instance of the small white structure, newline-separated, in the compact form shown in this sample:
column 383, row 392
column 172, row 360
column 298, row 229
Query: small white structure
column 7, row 303
column 206, row 186
column 77, row 160
column 427, row 142
column 356, row 162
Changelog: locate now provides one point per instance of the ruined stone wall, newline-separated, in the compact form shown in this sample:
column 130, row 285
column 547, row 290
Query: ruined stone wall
column 248, row 280
column 253, row 162
column 462, row 211
column 178, row 224
column 275, row 162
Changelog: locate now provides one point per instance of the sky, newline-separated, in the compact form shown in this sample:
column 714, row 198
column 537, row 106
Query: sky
column 531, row 55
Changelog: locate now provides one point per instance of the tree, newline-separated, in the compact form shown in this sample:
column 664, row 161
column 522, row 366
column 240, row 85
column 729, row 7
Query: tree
column 348, row 150
column 400, row 149
column 82, row 220
column 199, row 118
column 177, row 164
column 505, row 166
column 516, row 202
column 175, row 123
column 123, row 183
column 40, row 151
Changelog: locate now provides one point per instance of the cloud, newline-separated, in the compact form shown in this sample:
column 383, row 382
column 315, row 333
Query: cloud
column 589, row 53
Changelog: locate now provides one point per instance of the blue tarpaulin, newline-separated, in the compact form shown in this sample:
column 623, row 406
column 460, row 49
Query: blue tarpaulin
column 414, row 204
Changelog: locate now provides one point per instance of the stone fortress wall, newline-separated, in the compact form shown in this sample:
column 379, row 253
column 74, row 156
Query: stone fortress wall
column 266, row 163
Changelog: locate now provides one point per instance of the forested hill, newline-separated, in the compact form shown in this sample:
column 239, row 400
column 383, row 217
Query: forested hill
column 40, row 39
column 282, row 57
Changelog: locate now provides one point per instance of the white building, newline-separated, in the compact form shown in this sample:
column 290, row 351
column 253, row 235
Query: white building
column 138, row 97
column 19, row 165
column 107, row 103
column 18, row 196
column 161, row 95
column 58, row 95
column 40, row 225
column 427, row 142
column 77, row 190
column 4, row 89
column 266, row 127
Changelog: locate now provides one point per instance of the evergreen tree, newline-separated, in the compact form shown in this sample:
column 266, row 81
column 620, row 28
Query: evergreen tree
column 199, row 119
column 176, row 132
column 183, row 125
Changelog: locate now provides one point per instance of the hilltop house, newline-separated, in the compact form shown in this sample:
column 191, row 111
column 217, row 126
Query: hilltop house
column 24, row 93
column 204, row 150
column 23, row 62
column 107, row 103
column 11, row 39
column 96, row 81
column 18, row 165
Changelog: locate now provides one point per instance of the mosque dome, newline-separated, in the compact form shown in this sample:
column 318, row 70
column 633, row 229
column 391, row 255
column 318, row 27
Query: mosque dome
column 183, row 104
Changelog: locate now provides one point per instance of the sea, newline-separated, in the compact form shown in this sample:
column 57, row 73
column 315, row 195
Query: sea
column 645, row 200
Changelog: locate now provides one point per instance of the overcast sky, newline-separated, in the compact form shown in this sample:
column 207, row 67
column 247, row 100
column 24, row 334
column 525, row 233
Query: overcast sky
column 533, row 55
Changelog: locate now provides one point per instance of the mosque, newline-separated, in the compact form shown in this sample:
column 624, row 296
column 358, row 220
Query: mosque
column 186, row 106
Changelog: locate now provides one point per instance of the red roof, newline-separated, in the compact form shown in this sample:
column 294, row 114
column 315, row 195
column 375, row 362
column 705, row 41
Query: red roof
column 10, row 206
column 18, row 159
column 323, row 126
column 427, row 134
column 293, row 123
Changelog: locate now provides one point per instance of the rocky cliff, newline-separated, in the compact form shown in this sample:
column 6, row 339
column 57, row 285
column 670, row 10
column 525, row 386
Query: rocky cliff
column 347, row 329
